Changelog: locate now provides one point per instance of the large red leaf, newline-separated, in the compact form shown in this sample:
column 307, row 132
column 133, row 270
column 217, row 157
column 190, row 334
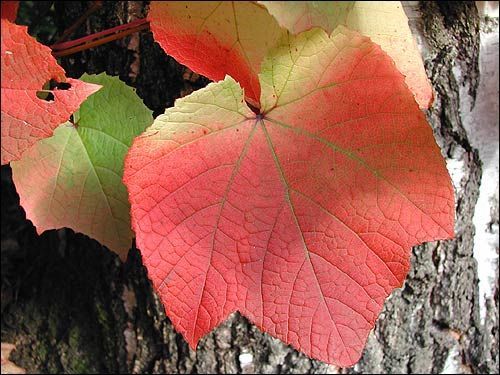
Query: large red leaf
column 302, row 217
column 26, row 67
column 215, row 38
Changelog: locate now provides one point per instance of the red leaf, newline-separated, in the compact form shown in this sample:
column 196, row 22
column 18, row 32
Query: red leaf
column 217, row 38
column 9, row 10
column 26, row 67
column 301, row 218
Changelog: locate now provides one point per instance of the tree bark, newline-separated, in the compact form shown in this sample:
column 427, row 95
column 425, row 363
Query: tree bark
column 69, row 305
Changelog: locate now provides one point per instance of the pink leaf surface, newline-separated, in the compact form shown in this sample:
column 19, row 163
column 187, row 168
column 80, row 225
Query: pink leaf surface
column 302, row 217
column 26, row 67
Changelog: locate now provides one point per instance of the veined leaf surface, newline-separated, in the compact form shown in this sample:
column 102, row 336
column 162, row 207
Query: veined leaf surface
column 298, row 16
column 385, row 22
column 74, row 178
column 301, row 217
column 215, row 38
column 26, row 67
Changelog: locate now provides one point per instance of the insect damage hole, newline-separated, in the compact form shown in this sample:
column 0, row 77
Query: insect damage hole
column 46, row 92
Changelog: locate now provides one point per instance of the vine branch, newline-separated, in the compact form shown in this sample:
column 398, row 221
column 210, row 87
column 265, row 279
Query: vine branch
column 97, row 39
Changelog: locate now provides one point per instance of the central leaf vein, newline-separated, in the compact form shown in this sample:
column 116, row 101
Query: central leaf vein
column 219, row 215
column 294, row 215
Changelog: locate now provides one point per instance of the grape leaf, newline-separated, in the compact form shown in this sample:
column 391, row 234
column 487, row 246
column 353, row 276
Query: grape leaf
column 26, row 67
column 73, row 179
column 301, row 217
column 217, row 38
column 298, row 16
column 384, row 22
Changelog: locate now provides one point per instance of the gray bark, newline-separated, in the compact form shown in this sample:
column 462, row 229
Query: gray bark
column 69, row 305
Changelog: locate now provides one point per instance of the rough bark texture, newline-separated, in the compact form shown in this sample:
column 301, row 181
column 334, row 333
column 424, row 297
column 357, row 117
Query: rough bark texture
column 69, row 305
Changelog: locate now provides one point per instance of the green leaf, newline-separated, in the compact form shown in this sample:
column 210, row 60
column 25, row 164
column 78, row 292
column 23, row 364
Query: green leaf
column 74, row 178
column 298, row 16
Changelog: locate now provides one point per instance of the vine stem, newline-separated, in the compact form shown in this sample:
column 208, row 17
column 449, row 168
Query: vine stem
column 97, row 39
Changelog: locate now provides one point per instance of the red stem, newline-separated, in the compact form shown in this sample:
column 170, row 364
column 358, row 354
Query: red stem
column 94, row 40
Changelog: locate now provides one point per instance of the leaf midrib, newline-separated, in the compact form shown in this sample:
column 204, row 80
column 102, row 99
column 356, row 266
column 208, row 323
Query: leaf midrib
column 219, row 215
column 294, row 215
column 93, row 168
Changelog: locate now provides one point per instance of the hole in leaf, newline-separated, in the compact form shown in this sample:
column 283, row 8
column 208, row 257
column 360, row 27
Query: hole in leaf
column 53, row 84
column 63, row 85
column 46, row 94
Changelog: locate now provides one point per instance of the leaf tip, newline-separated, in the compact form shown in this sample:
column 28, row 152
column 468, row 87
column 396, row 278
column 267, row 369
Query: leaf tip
column 122, row 254
column 193, row 344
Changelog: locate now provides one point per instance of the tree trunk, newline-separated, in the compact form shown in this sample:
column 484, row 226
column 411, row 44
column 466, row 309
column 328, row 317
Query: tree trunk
column 69, row 305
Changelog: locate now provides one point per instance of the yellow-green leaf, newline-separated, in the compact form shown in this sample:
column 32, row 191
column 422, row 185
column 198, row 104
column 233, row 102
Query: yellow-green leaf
column 384, row 22
column 74, row 178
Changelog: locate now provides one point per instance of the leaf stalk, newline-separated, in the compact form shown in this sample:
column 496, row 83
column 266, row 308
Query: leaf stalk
column 97, row 39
